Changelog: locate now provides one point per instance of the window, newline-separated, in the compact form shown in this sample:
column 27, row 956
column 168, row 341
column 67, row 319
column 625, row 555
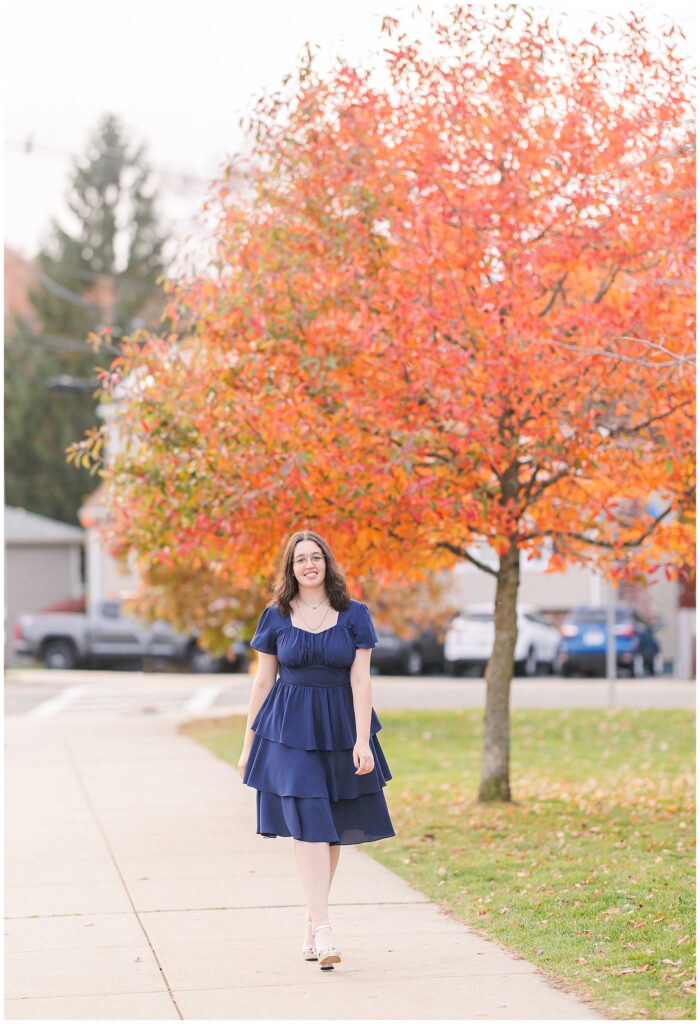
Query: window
column 110, row 609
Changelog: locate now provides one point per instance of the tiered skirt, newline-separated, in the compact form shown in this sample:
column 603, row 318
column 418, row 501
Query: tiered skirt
column 301, row 765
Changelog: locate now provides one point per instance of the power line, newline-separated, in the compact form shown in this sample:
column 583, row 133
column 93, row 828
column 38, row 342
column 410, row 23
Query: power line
column 62, row 292
column 115, row 275
column 56, row 341
column 77, row 300
column 94, row 275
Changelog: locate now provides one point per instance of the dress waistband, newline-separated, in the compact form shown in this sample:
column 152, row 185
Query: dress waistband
column 311, row 676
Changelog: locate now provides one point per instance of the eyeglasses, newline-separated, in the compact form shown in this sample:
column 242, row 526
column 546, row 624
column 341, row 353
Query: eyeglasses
column 315, row 559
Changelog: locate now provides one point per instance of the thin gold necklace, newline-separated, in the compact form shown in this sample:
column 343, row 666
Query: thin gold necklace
column 310, row 605
column 314, row 629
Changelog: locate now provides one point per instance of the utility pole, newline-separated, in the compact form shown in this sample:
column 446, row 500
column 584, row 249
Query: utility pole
column 64, row 382
column 611, row 646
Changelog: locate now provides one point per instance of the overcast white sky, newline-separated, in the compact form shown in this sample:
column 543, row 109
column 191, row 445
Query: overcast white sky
column 180, row 74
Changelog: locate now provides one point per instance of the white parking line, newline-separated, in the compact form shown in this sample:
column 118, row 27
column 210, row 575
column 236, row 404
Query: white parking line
column 85, row 699
column 62, row 700
column 203, row 698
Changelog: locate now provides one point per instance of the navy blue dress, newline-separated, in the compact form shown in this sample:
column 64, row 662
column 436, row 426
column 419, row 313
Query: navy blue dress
column 300, row 760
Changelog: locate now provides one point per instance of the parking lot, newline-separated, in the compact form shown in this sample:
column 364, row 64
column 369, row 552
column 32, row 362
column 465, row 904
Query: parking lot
column 46, row 693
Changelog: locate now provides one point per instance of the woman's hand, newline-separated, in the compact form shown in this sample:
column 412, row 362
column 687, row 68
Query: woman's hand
column 362, row 758
column 243, row 761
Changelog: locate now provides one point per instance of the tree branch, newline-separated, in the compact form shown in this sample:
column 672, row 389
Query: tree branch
column 614, row 431
column 604, row 543
column 675, row 361
column 465, row 554
column 556, row 290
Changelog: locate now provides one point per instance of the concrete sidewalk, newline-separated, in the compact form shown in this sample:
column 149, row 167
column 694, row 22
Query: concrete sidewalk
column 136, row 888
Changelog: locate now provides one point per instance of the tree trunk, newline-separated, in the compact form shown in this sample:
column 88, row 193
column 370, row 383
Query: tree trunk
column 495, row 765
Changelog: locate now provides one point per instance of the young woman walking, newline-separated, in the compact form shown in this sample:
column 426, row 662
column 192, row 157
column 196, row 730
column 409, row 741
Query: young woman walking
column 310, row 748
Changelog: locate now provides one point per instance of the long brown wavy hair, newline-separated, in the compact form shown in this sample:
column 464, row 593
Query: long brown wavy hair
column 286, row 587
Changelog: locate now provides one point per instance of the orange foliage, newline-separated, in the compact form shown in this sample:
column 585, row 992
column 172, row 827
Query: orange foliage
column 456, row 305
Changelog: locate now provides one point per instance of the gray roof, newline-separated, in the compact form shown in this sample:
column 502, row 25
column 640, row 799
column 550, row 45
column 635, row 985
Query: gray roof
column 22, row 527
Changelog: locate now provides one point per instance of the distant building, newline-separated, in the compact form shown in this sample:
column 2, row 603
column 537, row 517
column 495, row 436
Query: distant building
column 104, row 573
column 19, row 276
column 686, row 667
column 44, row 564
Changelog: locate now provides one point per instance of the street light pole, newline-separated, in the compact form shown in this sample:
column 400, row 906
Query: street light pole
column 611, row 646
column 64, row 382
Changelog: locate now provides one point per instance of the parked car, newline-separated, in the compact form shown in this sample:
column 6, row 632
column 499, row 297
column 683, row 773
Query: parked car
column 584, row 642
column 395, row 656
column 429, row 641
column 76, row 639
column 470, row 635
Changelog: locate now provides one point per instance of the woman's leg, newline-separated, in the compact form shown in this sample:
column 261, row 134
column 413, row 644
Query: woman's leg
column 314, row 865
column 334, row 852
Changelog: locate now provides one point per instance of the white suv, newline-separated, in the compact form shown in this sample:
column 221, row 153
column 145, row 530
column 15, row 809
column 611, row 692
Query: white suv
column 469, row 640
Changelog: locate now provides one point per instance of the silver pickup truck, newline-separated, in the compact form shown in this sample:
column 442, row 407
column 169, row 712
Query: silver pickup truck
column 79, row 640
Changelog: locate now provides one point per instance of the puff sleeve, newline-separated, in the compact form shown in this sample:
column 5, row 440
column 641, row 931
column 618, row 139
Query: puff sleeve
column 362, row 628
column 265, row 636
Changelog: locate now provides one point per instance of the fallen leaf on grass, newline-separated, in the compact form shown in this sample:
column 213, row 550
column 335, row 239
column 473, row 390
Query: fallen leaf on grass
column 627, row 970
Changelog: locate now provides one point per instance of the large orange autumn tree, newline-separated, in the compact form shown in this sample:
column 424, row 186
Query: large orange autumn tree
column 450, row 305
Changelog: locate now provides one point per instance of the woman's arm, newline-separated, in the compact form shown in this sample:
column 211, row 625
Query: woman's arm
column 361, row 684
column 263, row 682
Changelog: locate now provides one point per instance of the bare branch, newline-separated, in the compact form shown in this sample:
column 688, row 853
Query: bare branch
column 603, row 543
column 622, row 429
column 456, row 550
column 676, row 360
column 682, row 150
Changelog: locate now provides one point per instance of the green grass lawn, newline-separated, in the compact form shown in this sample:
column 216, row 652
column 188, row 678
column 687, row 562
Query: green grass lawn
column 589, row 874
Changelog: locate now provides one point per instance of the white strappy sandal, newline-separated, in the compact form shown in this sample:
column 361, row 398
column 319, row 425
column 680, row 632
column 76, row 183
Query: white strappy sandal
column 309, row 951
column 327, row 955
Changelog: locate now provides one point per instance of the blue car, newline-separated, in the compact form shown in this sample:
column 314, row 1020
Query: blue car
column 582, row 649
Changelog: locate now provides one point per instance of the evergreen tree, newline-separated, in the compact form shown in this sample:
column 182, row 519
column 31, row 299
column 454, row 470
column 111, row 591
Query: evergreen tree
column 102, row 270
